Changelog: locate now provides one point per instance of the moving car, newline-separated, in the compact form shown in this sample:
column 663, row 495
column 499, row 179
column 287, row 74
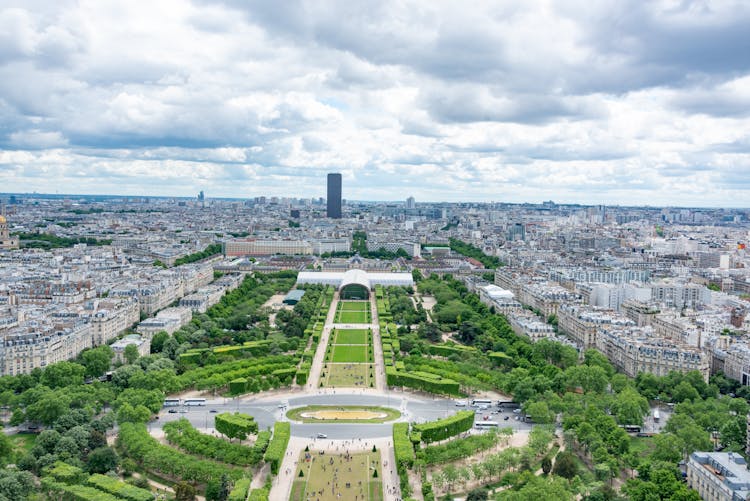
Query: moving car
column 322, row 435
column 172, row 411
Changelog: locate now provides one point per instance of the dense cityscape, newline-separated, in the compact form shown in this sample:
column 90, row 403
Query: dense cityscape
column 563, row 350
column 401, row 250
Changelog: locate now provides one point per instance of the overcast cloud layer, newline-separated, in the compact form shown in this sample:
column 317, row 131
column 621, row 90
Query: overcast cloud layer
column 591, row 102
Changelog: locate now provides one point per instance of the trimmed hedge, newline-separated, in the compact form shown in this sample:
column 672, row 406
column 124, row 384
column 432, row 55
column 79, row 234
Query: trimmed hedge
column 235, row 425
column 239, row 491
column 237, row 386
column 259, row 495
column 422, row 382
column 459, row 448
column 66, row 473
column 182, row 434
column 446, row 350
column 403, row 448
column 277, row 448
column 441, row 429
column 56, row 490
column 135, row 442
column 119, row 488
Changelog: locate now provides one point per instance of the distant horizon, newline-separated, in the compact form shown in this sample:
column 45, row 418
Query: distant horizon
column 614, row 103
column 347, row 200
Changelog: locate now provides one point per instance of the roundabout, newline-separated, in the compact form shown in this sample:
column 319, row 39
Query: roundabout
column 342, row 414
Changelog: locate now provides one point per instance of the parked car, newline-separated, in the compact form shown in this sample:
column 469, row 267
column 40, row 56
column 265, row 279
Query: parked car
column 212, row 411
column 172, row 411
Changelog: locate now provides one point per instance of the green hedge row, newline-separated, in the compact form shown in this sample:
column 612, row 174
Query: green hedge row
column 259, row 495
column 119, row 488
column 255, row 348
column 240, row 489
column 182, row 434
column 403, row 448
column 459, row 448
column 446, row 350
column 441, row 429
column 66, row 473
column 441, row 386
column 277, row 448
column 135, row 442
column 56, row 490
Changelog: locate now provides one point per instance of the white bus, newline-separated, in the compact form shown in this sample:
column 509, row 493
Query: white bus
column 486, row 424
column 194, row 401
column 171, row 402
column 481, row 401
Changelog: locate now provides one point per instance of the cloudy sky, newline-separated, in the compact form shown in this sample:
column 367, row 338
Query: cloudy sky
column 591, row 102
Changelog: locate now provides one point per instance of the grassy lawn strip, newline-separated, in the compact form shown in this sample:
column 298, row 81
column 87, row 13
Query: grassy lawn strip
column 354, row 478
column 296, row 414
column 353, row 317
column 348, row 375
column 351, row 336
column 354, row 306
column 349, row 354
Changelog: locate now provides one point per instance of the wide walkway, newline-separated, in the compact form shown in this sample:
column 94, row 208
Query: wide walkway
column 313, row 380
column 282, row 484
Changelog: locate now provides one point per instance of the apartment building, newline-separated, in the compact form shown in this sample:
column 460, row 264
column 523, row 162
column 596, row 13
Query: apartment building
column 719, row 476
column 581, row 323
column 500, row 299
column 257, row 247
column 635, row 349
column 36, row 345
column 531, row 327
column 142, row 344
column 111, row 317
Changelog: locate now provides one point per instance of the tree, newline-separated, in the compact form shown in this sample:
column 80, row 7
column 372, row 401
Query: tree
column 131, row 353
column 684, row 391
column 48, row 409
column 63, row 374
column 546, row 465
column 102, row 460
column 184, row 492
column 97, row 360
column 157, row 342
column 6, row 446
column 630, row 407
column 479, row 494
column 565, row 465
column 539, row 412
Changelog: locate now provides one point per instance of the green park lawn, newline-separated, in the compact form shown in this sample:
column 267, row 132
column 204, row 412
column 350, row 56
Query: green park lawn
column 351, row 336
column 349, row 354
column 354, row 306
column 353, row 317
column 349, row 480
column 348, row 375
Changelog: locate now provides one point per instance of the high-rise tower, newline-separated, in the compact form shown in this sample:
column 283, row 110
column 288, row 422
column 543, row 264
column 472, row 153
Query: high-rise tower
column 333, row 208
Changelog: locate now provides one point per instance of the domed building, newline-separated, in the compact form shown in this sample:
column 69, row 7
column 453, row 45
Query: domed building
column 6, row 241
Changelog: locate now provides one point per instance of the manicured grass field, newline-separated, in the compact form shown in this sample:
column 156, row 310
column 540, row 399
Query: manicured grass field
column 349, row 354
column 354, row 305
column 297, row 414
column 353, row 312
column 333, row 477
column 347, row 375
column 351, row 336
column 353, row 317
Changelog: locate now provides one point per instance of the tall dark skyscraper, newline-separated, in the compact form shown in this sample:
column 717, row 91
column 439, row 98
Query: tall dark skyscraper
column 333, row 208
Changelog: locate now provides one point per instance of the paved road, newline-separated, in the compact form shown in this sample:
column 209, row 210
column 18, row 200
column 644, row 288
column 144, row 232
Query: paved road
column 267, row 410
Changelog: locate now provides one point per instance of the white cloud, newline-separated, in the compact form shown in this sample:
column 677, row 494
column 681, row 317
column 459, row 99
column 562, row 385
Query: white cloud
column 614, row 102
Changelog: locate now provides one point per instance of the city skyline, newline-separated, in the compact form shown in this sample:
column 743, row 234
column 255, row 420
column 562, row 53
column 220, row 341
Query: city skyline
column 621, row 103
